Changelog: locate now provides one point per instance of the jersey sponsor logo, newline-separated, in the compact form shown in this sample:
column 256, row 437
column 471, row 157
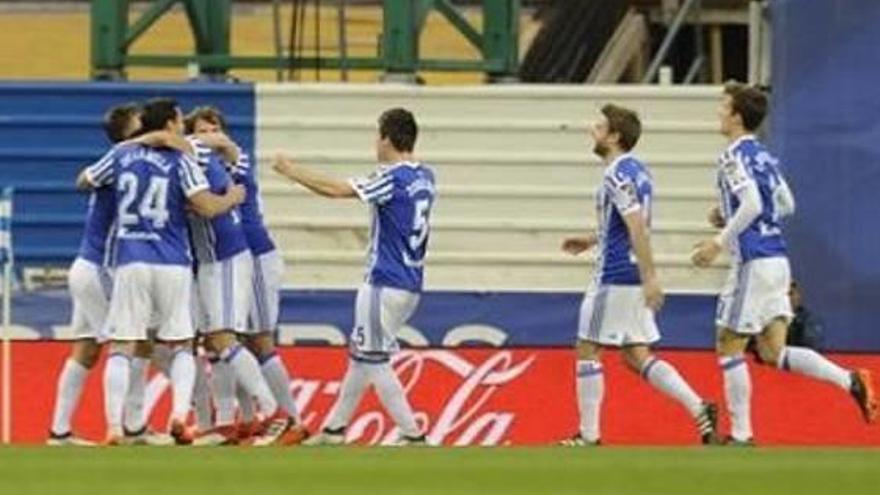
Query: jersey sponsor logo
column 628, row 195
column 735, row 173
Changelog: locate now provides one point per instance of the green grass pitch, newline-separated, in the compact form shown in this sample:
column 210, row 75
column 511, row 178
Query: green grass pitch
column 388, row 471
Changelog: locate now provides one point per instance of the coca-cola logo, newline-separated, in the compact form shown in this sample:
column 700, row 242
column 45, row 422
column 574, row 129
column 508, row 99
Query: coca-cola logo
column 465, row 417
column 480, row 396
column 456, row 395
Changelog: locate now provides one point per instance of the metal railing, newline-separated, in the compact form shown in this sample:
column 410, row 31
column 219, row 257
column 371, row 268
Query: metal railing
column 690, row 6
column 398, row 47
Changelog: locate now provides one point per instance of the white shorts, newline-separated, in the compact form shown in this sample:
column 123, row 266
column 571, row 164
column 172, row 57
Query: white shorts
column 147, row 295
column 754, row 294
column 90, row 288
column 616, row 315
column 225, row 293
column 379, row 314
column 266, row 292
column 195, row 309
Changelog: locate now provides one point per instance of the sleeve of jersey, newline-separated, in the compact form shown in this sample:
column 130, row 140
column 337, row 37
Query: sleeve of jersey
column 203, row 153
column 377, row 188
column 735, row 174
column 749, row 209
column 783, row 198
column 100, row 173
column 622, row 191
column 192, row 179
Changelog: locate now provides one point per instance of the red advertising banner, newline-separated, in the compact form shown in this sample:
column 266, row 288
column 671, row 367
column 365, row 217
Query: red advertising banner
column 492, row 397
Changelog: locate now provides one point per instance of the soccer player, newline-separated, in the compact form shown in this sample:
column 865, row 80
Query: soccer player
column 754, row 197
column 400, row 195
column 224, row 272
column 152, row 281
column 90, row 282
column 208, row 124
column 618, row 308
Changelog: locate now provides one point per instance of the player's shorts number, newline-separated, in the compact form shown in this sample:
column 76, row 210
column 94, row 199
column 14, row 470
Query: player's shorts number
column 359, row 337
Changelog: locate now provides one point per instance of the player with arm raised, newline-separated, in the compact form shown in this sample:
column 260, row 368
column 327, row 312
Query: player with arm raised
column 400, row 195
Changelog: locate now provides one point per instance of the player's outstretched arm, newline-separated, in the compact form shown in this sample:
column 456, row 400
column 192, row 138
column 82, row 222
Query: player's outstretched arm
column 641, row 245
column 312, row 180
column 207, row 204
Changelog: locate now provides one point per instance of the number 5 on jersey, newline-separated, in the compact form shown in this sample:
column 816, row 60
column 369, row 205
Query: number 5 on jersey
column 420, row 226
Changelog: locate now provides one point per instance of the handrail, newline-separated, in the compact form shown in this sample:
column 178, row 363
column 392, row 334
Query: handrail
column 674, row 28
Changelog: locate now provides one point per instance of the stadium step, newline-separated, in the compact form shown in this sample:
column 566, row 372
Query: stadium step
column 462, row 202
column 474, row 234
column 468, row 134
column 670, row 170
column 501, row 270
column 500, row 102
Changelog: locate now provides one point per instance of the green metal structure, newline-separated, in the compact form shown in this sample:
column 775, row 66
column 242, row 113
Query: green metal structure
column 398, row 51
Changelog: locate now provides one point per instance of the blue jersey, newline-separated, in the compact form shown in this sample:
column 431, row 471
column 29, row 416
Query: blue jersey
column 221, row 237
column 401, row 197
column 151, row 189
column 746, row 162
column 97, row 243
column 257, row 235
column 626, row 188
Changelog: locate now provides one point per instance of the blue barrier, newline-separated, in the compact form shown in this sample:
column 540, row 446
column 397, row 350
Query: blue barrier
column 825, row 128
column 452, row 319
